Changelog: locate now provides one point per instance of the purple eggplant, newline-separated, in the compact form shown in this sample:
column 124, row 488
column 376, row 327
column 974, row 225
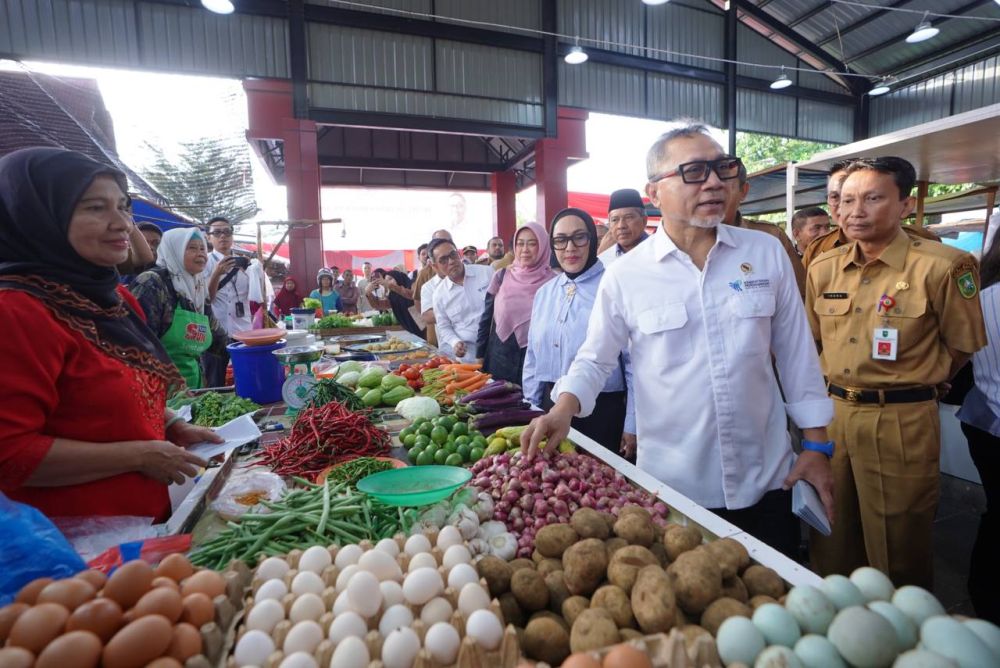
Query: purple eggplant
column 497, row 388
column 476, row 410
column 505, row 418
column 496, row 403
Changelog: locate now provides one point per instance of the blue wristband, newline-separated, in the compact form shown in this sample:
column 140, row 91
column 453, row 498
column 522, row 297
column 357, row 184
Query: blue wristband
column 815, row 446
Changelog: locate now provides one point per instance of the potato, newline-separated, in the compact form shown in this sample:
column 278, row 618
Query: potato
column 653, row 601
column 680, row 540
column 720, row 610
column 512, row 613
column 497, row 573
column 614, row 599
column 537, row 557
column 585, row 564
column 725, row 557
column 573, row 606
column 660, row 552
column 558, row 592
column 588, row 523
column 612, row 545
column 594, row 628
column 696, row 579
column 625, row 564
column 629, row 634
column 635, row 528
column 734, row 588
column 635, row 510
column 760, row 600
column 546, row 640
column 548, row 614
column 609, row 519
column 521, row 563
column 547, row 566
column 763, row 581
column 528, row 587
column 737, row 548
column 552, row 540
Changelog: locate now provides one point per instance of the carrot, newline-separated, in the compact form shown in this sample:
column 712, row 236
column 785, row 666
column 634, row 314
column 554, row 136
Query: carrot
column 480, row 382
column 463, row 367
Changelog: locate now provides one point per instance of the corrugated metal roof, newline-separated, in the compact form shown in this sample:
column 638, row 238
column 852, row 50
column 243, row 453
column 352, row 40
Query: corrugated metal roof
column 757, row 111
column 610, row 22
column 486, row 71
column 513, row 13
column 671, row 98
column 614, row 90
column 682, row 29
column 369, row 57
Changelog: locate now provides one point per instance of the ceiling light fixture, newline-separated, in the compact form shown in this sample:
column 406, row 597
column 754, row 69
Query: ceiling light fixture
column 218, row 6
column 663, row 2
column 923, row 32
column 882, row 87
column 782, row 81
column 576, row 55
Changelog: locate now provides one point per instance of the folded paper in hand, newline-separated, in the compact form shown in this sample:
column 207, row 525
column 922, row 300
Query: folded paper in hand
column 237, row 432
column 806, row 504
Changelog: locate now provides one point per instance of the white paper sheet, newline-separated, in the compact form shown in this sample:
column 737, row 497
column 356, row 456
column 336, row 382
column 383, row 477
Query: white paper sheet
column 237, row 432
column 184, row 412
column 807, row 505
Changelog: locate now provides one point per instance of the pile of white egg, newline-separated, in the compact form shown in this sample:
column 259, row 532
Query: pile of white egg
column 858, row 621
column 360, row 603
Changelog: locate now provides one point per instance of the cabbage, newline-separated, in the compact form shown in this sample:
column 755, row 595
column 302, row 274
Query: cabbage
column 418, row 407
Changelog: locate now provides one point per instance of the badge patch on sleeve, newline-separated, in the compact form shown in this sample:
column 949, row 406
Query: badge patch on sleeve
column 967, row 284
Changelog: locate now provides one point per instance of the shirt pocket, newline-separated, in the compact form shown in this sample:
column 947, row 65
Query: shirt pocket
column 750, row 322
column 663, row 327
column 833, row 316
column 910, row 318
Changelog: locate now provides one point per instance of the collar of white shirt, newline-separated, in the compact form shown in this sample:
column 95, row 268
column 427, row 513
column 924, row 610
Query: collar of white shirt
column 663, row 245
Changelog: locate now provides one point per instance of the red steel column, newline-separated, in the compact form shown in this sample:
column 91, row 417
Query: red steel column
column 553, row 156
column 504, row 188
column 302, row 179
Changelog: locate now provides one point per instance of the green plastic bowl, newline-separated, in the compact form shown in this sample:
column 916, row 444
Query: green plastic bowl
column 414, row 485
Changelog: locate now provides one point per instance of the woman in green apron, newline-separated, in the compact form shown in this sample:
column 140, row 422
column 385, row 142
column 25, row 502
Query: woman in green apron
column 174, row 297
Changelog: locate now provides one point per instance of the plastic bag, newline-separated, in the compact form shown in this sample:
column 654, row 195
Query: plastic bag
column 32, row 547
column 151, row 551
column 243, row 494
column 92, row 535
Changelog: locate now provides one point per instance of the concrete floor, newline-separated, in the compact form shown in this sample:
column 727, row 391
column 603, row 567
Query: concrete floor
column 955, row 529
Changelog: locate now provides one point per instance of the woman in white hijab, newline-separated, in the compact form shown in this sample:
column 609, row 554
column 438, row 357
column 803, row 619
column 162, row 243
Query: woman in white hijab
column 174, row 297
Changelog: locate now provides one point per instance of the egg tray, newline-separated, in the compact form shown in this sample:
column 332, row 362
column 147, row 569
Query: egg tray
column 470, row 655
column 673, row 650
column 218, row 635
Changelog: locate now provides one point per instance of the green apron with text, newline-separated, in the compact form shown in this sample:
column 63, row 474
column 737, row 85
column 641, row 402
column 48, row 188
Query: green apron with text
column 190, row 335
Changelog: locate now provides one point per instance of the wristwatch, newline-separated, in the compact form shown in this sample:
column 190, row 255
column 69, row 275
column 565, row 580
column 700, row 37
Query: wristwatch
column 826, row 448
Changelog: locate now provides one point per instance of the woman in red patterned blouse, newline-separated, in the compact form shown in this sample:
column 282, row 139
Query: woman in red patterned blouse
column 84, row 428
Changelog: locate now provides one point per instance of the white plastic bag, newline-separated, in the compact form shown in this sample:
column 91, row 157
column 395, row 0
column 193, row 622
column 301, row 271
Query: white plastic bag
column 244, row 492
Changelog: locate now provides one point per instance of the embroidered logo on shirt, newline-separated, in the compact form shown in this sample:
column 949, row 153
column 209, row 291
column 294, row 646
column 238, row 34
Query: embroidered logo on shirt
column 757, row 284
column 736, row 285
column 195, row 332
column 967, row 285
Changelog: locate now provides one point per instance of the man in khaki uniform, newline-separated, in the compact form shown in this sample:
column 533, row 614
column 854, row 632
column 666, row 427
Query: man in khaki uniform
column 836, row 237
column 895, row 317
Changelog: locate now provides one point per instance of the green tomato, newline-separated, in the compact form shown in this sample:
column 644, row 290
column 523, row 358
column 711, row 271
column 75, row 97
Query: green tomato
column 460, row 429
column 454, row 460
column 425, row 459
column 464, row 451
column 421, row 441
column 439, row 435
column 441, row 456
column 475, row 454
column 409, row 440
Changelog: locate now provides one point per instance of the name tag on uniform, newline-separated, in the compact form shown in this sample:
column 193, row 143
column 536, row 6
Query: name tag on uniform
column 885, row 343
column 834, row 295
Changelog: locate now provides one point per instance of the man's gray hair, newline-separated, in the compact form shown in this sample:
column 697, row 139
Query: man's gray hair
column 657, row 153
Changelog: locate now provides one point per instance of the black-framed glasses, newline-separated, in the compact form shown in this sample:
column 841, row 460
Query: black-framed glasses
column 698, row 171
column 450, row 257
column 579, row 239
column 221, row 233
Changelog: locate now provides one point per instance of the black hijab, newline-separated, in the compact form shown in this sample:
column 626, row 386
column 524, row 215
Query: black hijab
column 401, row 305
column 39, row 190
column 591, row 230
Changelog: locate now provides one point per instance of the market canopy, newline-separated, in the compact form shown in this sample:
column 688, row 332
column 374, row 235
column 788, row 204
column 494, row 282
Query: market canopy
column 768, row 191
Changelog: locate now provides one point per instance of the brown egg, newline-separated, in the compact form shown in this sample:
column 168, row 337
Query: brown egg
column 160, row 601
column 138, row 643
column 207, row 582
column 165, row 582
column 626, row 656
column 185, row 643
column 16, row 657
column 165, row 662
column 176, row 567
column 102, row 617
column 96, row 578
column 70, row 594
column 36, row 628
column 581, row 660
column 29, row 592
column 198, row 610
column 9, row 615
column 127, row 584
column 80, row 649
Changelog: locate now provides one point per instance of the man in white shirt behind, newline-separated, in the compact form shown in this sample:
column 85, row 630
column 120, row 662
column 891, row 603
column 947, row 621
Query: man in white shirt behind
column 703, row 306
column 229, row 292
column 459, row 300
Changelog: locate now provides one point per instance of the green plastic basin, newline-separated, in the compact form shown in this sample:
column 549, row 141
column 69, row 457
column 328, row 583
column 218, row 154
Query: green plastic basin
column 414, row 485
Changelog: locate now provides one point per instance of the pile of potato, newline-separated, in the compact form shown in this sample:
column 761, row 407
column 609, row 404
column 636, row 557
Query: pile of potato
column 603, row 579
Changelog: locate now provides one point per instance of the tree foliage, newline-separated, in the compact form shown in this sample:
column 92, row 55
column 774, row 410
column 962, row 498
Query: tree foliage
column 206, row 178
column 762, row 151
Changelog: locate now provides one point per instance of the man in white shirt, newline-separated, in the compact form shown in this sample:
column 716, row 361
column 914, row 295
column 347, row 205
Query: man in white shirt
column 703, row 306
column 426, row 301
column 229, row 292
column 363, row 304
column 627, row 223
column 459, row 300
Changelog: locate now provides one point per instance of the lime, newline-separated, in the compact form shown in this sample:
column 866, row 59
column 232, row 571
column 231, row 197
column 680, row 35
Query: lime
column 425, row 459
column 425, row 429
column 447, row 422
column 475, row 454
column 475, row 433
column 409, row 440
column 439, row 435
column 460, row 429
column 418, row 422
column 450, row 447
column 421, row 441
column 406, row 432
column 454, row 460
column 462, row 440
column 479, row 441
column 464, row 450
column 441, row 456
column 415, row 453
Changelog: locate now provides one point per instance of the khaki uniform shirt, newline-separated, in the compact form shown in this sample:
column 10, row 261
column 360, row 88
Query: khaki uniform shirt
column 935, row 293
column 793, row 255
column 837, row 238
column 426, row 274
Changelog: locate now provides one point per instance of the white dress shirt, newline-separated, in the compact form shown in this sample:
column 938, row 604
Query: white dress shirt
column 711, row 423
column 427, row 293
column 458, row 308
column 236, row 291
